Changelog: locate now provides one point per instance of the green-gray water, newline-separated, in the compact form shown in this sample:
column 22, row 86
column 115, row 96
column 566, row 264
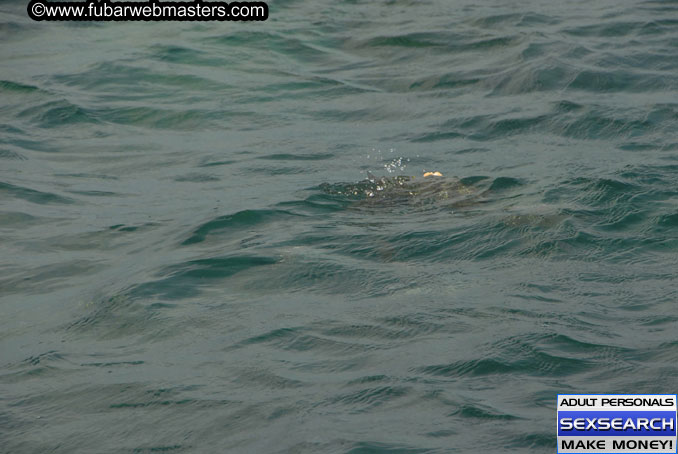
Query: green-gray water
column 192, row 259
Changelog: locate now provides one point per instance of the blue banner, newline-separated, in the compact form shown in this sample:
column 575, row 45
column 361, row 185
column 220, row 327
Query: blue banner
column 617, row 423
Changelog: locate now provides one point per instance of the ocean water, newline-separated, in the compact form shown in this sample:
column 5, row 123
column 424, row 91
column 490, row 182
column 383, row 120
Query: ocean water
column 195, row 259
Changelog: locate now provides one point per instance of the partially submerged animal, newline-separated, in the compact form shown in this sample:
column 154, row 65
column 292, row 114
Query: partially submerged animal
column 500, row 199
column 422, row 192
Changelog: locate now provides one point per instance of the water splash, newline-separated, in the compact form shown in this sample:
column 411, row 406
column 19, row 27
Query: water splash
column 396, row 164
column 390, row 164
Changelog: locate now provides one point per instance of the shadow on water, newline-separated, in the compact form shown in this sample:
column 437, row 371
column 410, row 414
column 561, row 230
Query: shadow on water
column 385, row 236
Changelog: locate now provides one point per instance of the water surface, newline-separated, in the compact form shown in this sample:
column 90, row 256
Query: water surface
column 191, row 260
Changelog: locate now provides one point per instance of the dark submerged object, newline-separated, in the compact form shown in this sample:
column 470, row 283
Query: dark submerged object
column 407, row 191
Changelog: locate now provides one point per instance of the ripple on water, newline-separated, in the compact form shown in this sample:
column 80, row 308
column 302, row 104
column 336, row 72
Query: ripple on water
column 191, row 262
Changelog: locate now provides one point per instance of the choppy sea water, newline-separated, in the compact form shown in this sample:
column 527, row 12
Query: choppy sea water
column 193, row 258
